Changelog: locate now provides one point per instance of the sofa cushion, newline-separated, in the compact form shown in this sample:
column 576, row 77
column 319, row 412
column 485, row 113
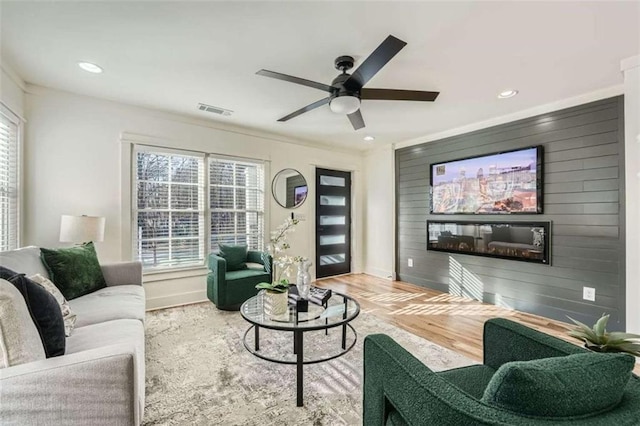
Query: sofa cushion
column 117, row 332
column 505, row 245
column 110, row 303
column 395, row 419
column 500, row 233
column 75, row 270
column 522, row 235
column 106, row 333
column 472, row 379
column 236, row 256
column 44, row 310
column 19, row 339
column 255, row 266
column 575, row 385
column 25, row 260
column 68, row 316
column 246, row 273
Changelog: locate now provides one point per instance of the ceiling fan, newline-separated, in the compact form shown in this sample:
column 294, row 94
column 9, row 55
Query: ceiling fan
column 346, row 90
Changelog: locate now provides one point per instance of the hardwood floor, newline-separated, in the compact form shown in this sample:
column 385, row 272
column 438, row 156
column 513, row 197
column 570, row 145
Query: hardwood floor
column 448, row 320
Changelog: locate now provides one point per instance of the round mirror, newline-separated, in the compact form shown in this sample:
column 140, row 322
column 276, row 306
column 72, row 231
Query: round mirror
column 289, row 188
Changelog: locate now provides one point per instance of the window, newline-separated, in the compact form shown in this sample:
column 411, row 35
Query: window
column 9, row 179
column 169, row 209
column 237, row 203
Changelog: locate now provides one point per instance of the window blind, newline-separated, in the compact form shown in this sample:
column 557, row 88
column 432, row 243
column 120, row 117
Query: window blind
column 236, row 200
column 169, row 208
column 9, row 180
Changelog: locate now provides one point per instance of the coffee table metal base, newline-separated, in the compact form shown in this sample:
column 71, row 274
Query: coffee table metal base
column 298, row 350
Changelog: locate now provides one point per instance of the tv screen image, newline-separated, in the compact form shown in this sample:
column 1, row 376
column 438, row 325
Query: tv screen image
column 506, row 182
column 299, row 194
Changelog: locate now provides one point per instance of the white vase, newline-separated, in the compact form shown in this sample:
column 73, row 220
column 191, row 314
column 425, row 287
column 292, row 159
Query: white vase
column 303, row 279
column 275, row 303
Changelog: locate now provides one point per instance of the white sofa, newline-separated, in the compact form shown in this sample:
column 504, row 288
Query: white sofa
column 100, row 379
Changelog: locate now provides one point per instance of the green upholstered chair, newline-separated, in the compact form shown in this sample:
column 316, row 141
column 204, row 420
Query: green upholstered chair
column 229, row 289
column 400, row 390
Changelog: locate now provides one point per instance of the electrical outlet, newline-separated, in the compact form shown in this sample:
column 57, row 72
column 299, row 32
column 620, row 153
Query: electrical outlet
column 589, row 293
column 410, row 262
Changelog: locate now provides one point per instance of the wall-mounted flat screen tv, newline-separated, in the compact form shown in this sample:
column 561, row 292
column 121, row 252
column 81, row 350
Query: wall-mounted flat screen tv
column 525, row 241
column 299, row 194
column 504, row 182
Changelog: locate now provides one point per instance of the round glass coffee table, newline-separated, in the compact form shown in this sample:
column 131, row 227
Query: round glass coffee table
column 338, row 311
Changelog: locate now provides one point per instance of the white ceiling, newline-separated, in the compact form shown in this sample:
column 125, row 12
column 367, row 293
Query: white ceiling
column 172, row 55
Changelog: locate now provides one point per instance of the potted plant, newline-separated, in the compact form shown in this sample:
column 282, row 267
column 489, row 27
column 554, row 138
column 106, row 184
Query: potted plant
column 598, row 339
column 276, row 294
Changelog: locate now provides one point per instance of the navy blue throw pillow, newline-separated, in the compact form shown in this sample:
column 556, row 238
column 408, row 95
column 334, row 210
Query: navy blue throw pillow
column 44, row 310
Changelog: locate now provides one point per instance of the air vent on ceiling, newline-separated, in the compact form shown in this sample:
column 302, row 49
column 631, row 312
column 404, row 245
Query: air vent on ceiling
column 214, row 110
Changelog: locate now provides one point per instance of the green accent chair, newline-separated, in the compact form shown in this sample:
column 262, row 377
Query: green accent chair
column 230, row 289
column 400, row 390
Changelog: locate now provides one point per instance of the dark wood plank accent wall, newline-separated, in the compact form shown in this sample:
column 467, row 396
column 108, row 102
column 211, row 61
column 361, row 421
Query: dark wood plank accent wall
column 583, row 198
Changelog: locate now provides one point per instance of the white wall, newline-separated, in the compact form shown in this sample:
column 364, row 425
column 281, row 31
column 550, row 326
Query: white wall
column 631, row 69
column 77, row 160
column 379, row 204
column 11, row 90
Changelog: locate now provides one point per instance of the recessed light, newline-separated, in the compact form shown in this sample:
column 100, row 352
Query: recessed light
column 369, row 138
column 89, row 67
column 507, row 94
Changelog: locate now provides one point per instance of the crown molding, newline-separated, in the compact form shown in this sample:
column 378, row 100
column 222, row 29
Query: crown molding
column 530, row 112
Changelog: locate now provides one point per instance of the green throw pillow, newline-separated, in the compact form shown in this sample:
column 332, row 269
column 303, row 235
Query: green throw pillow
column 75, row 271
column 568, row 386
column 236, row 256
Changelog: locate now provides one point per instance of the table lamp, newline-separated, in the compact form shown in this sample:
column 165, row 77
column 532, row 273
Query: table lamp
column 81, row 229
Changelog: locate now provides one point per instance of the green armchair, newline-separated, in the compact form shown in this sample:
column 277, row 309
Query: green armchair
column 230, row 289
column 400, row 390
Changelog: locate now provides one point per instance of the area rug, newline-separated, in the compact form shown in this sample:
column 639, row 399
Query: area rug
column 199, row 372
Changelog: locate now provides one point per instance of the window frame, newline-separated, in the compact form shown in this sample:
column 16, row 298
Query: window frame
column 18, row 122
column 135, row 210
column 261, row 213
column 207, row 231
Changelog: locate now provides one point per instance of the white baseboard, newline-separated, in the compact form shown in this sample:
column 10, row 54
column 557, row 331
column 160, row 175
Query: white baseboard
column 176, row 300
column 380, row 273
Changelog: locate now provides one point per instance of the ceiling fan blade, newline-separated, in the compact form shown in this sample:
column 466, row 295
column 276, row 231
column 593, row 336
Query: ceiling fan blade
column 297, row 80
column 356, row 120
column 306, row 109
column 374, row 63
column 398, row 95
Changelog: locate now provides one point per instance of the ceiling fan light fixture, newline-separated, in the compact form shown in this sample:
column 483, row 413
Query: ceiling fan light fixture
column 346, row 104
column 509, row 93
column 346, row 89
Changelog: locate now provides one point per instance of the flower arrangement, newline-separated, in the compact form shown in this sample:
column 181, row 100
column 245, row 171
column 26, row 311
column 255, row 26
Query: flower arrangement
column 277, row 246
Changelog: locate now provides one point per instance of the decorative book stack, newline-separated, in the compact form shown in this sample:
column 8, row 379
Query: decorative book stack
column 317, row 295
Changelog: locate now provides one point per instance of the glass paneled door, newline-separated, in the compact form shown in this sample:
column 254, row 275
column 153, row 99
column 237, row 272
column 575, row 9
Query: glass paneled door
column 333, row 222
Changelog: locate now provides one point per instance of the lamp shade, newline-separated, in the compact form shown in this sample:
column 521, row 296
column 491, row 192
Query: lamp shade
column 80, row 229
column 344, row 104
